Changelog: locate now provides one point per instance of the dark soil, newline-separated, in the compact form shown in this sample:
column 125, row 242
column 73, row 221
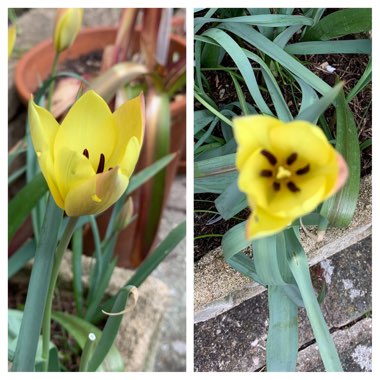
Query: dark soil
column 87, row 64
column 349, row 67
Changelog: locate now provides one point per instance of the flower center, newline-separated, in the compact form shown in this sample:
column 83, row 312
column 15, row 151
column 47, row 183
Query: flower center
column 283, row 174
column 102, row 161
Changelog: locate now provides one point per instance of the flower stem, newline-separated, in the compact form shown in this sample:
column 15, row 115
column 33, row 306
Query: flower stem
column 87, row 352
column 61, row 249
column 24, row 359
column 51, row 87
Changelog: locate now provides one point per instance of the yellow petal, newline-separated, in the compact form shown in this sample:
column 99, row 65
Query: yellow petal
column 70, row 169
column 96, row 194
column 252, row 133
column 261, row 224
column 129, row 122
column 251, row 182
column 11, row 39
column 303, row 138
column 88, row 125
column 43, row 129
column 131, row 156
column 67, row 26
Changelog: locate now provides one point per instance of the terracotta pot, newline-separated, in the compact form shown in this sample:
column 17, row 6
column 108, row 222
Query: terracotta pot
column 34, row 67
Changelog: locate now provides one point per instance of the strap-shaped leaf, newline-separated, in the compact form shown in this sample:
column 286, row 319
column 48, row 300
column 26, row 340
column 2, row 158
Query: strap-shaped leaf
column 23, row 203
column 242, row 62
column 330, row 47
column 299, row 267
column 282, row 342
column 340, row 23
column 231, row 201
column 340, row 208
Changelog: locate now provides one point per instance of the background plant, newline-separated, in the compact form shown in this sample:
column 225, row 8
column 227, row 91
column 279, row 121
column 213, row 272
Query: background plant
column 262, row 54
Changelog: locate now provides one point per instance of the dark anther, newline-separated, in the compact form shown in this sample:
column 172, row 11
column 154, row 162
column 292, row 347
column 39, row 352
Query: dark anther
column 276, row 186
column 266, row 173
column 110, row 169
column 101, row 164
column 291, row 158
column 303, row 170
column 86, row 154
column 293, row 187
column 269, row 156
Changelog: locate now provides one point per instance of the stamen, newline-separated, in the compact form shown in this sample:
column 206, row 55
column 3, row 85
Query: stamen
column 86, row 154
column 276, row 186
column 303, row 170
column 266, row 173
column 101, row 164
column 291, row 159
column 269, row 156
column 293, row 187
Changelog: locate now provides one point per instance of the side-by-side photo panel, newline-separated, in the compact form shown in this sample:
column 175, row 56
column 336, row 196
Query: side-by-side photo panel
column 282, row 189
column 96, row 190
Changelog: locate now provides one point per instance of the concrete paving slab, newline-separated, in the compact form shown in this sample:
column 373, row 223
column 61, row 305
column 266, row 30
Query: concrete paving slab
column 355, row 350
column 236, row 339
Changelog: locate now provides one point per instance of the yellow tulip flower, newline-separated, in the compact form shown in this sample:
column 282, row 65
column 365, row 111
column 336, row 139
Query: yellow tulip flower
column 67, row 25
column 11, row 39
column 286, row 170
column 88, row 159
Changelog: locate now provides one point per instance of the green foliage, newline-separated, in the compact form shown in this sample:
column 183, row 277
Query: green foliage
column 258, row 50
column 254, row 49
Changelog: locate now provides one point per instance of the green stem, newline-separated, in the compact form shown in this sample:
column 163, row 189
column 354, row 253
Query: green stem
column 77, row 247
column 61, row 249
column 300, row 269
column 51, row 87
column 37, row 291
column 87, row 351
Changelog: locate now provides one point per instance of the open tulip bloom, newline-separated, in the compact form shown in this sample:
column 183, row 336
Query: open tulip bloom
column 286, row 170
column 88, row 159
